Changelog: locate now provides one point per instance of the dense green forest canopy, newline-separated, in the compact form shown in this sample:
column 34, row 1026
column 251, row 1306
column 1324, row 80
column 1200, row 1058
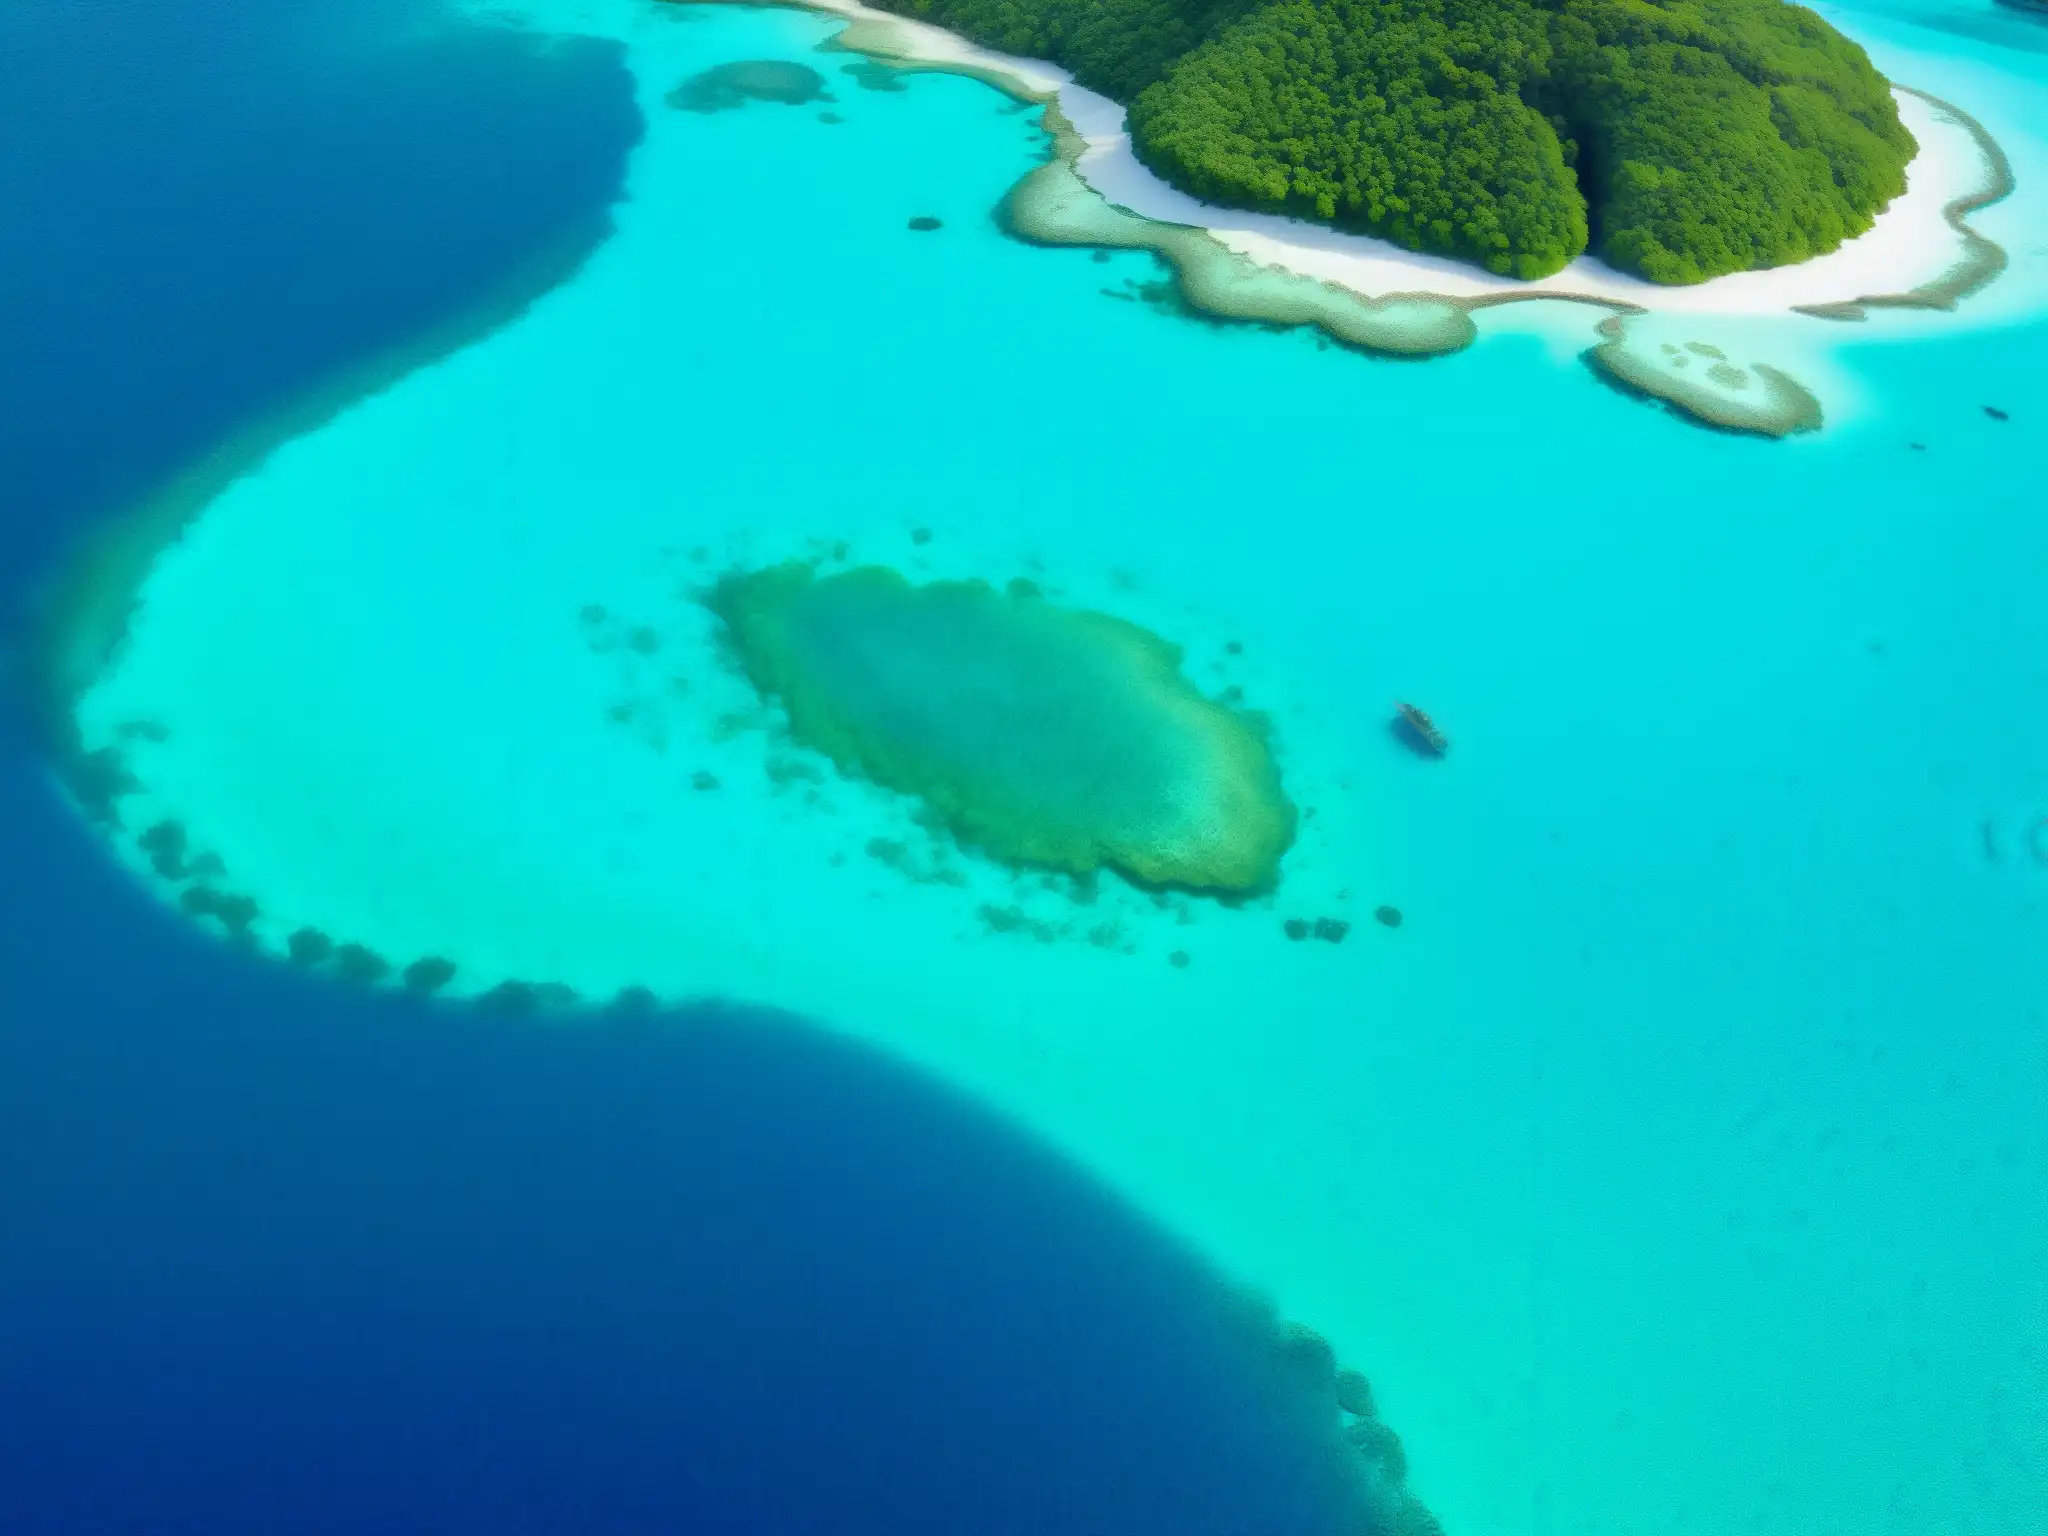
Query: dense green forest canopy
column 1680, row 139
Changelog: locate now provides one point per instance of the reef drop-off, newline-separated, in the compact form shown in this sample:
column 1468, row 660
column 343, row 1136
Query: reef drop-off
column 1040, row 734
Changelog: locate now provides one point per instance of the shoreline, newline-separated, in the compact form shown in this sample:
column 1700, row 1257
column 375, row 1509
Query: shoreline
column 1982, row 261
column 1370, row 295
column 1919, row 253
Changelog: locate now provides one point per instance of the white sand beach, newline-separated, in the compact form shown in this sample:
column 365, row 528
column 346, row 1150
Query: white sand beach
column 1911, row 243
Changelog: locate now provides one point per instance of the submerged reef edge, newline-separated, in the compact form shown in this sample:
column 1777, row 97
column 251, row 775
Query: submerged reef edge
column 1045, row 736
column 74, row 624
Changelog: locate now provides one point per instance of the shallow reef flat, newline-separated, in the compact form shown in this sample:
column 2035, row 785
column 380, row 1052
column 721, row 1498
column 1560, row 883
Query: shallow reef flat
column 1044, row 735
column 1650, row 355
column 1487, row 1088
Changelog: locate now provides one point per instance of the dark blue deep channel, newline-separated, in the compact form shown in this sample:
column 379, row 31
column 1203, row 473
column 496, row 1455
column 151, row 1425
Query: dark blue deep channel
column 280, row 1258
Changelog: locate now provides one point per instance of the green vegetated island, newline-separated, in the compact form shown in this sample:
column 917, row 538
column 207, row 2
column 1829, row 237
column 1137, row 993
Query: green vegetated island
column 1041, row 734
column 1675, row 139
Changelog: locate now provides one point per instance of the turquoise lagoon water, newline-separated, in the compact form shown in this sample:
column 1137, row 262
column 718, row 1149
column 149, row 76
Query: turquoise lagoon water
column 1676, row 1166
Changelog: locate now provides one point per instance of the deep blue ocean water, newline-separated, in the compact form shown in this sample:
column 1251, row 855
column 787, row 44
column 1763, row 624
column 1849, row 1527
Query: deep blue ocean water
column 276, row 1257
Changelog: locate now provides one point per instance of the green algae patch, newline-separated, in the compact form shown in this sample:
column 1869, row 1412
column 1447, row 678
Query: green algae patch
column 1042, row 735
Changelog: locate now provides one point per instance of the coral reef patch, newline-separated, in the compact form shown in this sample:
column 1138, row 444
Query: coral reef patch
column 1380, row 1463
column 1042, row 735
column 1703, row 382
column 726, row 86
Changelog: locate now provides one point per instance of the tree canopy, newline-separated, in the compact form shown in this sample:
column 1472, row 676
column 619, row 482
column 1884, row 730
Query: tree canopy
column 1677, row 139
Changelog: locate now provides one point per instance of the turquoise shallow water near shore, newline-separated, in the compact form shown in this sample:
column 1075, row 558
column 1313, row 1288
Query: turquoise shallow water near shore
column 1675, row 1166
